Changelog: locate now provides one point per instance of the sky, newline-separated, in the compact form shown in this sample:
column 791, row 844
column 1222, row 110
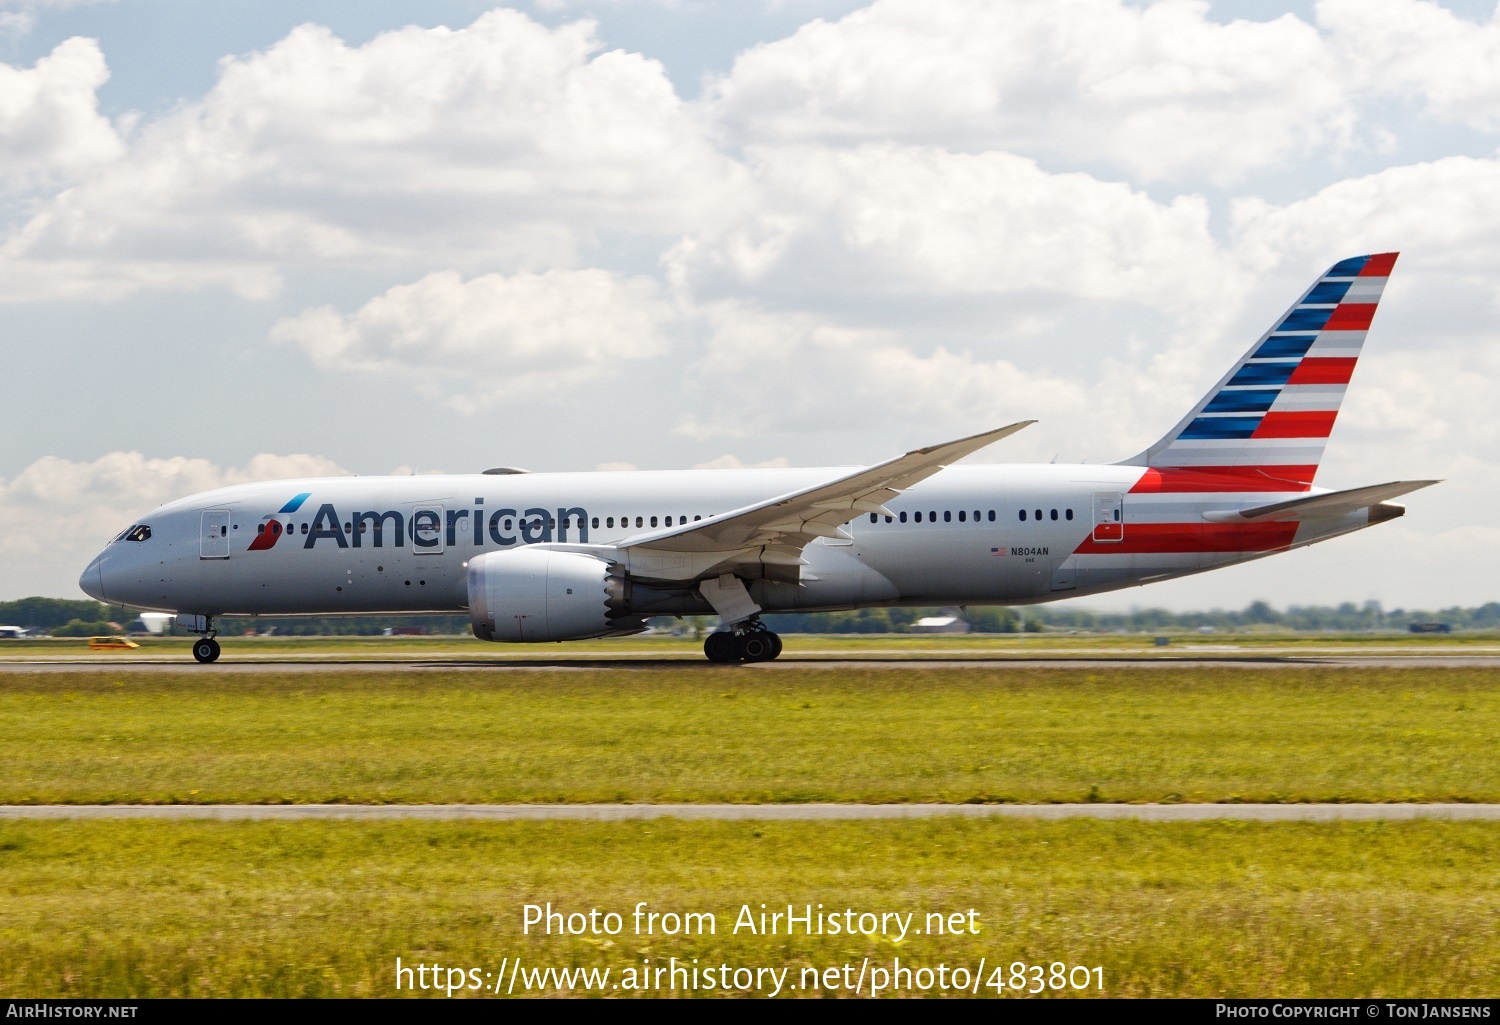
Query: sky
column 248, row 240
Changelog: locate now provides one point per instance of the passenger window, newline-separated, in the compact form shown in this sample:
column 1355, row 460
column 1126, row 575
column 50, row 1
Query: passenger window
column 653, row 521
column 931, row 517
column 874, row 518
column 610, row 522
column 992, row 516
column 976, row 515
column 669, row 521
column 697, row 518
column 917, row 517
column 1117, row 516
column 1068, row 513
column 888, row 519
column 596, row 523
column 304, row 528
column 903, row 517
column 1038, row 514
column 962, row 516
column 1023, row 515
column 947, row 515
column 1054, row 514
column 640, row 521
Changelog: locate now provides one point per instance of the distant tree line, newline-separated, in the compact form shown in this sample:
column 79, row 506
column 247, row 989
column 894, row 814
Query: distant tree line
column 63, row 617
column 1259, row 615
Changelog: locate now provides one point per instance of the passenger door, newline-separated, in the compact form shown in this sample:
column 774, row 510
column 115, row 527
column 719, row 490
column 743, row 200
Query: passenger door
column 1109, row 517
column 427, row 530
column 213, row 538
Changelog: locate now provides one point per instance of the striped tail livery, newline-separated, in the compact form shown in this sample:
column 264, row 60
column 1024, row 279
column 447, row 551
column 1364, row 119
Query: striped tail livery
column 1263, row 427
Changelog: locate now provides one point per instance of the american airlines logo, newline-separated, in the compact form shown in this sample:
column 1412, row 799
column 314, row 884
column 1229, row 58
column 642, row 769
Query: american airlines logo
column 424, row 528
column 270, row 529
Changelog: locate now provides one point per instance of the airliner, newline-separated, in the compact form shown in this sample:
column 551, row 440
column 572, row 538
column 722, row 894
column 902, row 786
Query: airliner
column 534, row 557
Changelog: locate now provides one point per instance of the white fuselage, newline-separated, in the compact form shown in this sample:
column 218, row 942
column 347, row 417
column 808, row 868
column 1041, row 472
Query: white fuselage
column 402, row 544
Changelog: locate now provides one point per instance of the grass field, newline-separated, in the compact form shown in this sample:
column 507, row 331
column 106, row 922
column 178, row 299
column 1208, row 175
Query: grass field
column 712, row 734
column 311, row 908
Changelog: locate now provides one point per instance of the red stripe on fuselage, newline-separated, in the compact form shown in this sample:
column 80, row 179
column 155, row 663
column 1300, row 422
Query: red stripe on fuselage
column 1324, row 370
column 1296, row 425
column 1195, row 479
column 1155, row 538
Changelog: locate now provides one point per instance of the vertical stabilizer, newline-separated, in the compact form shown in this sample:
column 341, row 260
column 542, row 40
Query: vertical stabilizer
column 1265, row 424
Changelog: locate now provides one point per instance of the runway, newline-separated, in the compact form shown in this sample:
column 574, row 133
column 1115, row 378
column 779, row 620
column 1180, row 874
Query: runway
column 752, row 812
column 800, row 661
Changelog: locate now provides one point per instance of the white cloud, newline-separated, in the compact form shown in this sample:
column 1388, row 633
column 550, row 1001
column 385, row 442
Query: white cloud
column 505, row 143
column 492, row 336
column 910, row 219
column 1158, row 89
column 1443, row 215
column 50, row 125
column 1416, row 49
column 16, row 23
column 839, row 378
column 84, row 504
column 18, row 17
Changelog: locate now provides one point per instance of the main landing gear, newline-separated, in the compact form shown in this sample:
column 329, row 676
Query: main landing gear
column 749, row 642
column 205, row 648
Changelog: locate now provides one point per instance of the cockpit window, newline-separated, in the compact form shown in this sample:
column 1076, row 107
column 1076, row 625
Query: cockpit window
column 139, row 532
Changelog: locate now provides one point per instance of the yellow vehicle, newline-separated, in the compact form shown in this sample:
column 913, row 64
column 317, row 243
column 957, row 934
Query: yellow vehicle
column 111, row 644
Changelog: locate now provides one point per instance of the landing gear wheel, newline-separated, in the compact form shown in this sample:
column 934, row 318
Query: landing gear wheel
column 755, row 646
column 206, row 649
column 775, row 644
column 720, row 647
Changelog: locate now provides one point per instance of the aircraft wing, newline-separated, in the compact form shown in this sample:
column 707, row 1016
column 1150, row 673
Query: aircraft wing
column 784, row 525
column 1334, row 503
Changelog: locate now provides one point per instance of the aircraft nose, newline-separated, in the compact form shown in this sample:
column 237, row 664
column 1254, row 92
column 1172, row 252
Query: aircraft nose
column 92, row 581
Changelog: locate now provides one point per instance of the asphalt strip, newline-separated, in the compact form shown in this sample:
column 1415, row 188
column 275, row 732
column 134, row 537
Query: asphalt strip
column 782, row 812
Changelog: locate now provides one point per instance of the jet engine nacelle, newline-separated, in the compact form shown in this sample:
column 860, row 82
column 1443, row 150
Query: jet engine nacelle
column 536, row 594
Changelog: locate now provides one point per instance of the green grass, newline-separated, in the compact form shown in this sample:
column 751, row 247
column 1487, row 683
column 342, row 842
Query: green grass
column 151, row 909
column 710, row 734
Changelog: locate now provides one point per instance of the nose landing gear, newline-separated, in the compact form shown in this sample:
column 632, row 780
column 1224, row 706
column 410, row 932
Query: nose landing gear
column 747, row 642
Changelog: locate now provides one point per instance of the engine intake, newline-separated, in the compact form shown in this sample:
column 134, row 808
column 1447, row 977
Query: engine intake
column 536, row 594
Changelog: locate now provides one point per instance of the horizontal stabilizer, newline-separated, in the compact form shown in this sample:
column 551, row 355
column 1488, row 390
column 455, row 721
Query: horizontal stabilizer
column 1333, row 503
